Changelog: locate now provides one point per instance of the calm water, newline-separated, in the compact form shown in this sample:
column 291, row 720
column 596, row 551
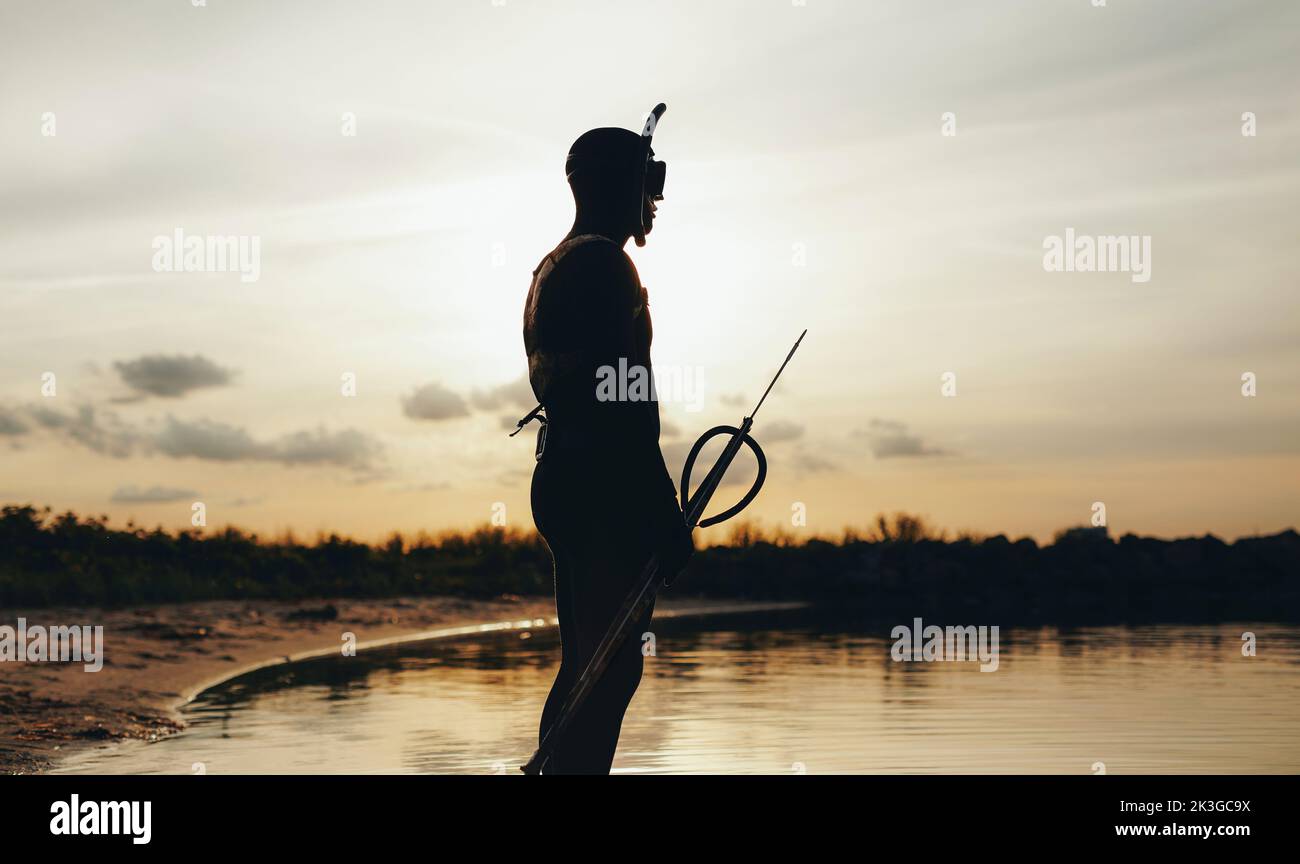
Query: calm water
column 771, row 697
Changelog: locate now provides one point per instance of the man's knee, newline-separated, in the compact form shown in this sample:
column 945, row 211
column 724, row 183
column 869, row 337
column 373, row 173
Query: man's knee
column 625, row 670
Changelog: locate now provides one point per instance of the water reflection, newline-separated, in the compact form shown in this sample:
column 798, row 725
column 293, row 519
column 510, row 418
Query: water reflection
column 767, row 696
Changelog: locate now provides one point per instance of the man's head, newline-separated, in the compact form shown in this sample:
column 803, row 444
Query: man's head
column 616, row 181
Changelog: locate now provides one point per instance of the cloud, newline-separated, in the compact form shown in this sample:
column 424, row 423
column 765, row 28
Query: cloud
column 10, row 423
column 890, row 439
column 221, row 442
column 518, row 393
column 152, row 495
column 781, row 430
column 349, row 448
column 101, row 432
column 208, row 439
column 171, row 376
column 812, row 463
column 434, row 402
column 48, row 418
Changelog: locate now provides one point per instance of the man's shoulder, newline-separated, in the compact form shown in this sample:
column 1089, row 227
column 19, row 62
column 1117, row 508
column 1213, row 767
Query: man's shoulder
column 592, row 263
column 593, row 251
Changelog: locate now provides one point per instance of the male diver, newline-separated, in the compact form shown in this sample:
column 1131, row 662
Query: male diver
column 602, row 497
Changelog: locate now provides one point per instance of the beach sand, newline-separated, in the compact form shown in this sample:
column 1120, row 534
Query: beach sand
column 158, row 658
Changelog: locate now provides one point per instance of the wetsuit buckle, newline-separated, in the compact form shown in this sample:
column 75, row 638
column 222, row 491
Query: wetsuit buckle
column 535, row 414
column 541, row 441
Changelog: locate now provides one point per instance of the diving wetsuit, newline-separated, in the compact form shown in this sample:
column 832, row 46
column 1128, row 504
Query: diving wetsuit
column 601, row 494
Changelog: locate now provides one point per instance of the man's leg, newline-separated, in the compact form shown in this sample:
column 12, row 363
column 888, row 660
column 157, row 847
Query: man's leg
column 602, row 578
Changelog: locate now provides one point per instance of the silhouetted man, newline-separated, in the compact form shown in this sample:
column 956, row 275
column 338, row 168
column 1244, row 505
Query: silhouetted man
column 601, row 494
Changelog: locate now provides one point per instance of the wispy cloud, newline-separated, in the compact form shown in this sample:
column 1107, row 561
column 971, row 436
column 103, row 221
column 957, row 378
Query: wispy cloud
column 435, row 401
column 151, row 495
column 518, row 393
column 98, row 430
column 208, row 439
column 812, row 463
column 781, row 430
column 891, row 439
column 11, row 425
column 105, row 433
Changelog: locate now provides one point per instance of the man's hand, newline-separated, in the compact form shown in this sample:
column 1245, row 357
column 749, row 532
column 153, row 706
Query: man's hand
column 675, row 546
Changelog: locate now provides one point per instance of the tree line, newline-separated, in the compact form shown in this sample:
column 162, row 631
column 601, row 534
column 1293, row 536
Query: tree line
column 899, row 566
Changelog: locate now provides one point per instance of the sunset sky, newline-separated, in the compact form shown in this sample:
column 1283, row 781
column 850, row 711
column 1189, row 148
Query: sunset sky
column 809, row 185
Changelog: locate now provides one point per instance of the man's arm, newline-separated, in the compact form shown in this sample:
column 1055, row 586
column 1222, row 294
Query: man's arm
column 612, row 292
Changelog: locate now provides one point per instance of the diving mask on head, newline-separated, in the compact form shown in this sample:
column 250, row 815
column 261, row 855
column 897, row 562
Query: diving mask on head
column 613, row 170
column 650, row 176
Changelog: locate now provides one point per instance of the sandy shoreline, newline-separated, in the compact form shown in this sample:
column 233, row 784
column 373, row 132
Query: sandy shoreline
column 156, row 659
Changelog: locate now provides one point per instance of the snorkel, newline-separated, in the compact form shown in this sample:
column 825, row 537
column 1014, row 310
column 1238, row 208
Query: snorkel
column 650, row 176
